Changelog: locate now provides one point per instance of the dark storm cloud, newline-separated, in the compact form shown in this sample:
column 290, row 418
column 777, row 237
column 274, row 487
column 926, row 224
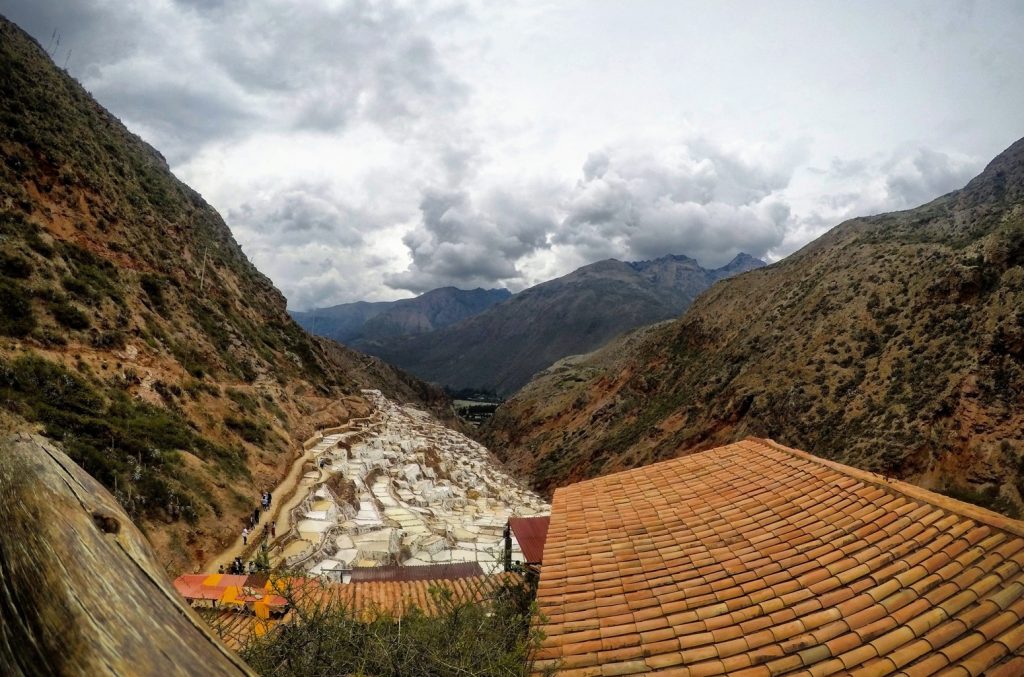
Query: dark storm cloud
column 302, row 215
column 196, row 72
column 693, row 198
column 335, row 63
column 455, row 243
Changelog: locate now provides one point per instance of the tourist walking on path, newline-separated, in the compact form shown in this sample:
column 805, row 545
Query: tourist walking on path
column 245, row 537
column 273, row 530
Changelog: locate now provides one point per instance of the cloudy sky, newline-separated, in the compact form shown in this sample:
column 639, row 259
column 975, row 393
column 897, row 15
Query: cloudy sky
column 365, row 150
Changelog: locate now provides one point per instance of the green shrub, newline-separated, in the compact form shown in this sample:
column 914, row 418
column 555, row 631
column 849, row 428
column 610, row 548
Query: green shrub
column 38, row 245
column 113, row 339
column 244, row 400
column 69, row 316
column 16, row 316
column 153, row 286
column 93, row 277
column 250, row 430
column 13, row 265
column 489, row 637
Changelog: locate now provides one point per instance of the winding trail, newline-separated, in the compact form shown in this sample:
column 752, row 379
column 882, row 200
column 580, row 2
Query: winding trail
column 285, row 497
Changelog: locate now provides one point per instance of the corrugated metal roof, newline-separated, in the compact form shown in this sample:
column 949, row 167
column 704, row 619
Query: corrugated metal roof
column 425, row 572
column 531, row 533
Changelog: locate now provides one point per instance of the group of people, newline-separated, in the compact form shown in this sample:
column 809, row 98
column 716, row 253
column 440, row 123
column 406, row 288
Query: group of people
column 238, row 568
column 254, row 518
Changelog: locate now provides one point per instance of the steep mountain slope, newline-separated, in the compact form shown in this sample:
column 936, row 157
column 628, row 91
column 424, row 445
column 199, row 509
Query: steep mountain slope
column 893, row 343
column 133, row 329
column 501, row 348
column 360, row 322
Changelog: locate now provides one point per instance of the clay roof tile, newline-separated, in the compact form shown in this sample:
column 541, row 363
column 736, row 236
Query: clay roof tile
column 757, row 559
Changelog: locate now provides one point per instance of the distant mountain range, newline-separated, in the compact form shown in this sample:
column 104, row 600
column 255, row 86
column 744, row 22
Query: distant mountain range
column 499, row 349
column 356, row 323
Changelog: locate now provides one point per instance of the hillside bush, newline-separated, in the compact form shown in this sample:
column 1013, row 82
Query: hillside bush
column 491, row 637
column 69, row 316
column 250, row 430
column 16, row 316
column 128, row 445
column 13, row 265
column 153, row 286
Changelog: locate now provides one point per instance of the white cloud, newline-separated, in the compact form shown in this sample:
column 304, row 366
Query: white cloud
column 370, row 149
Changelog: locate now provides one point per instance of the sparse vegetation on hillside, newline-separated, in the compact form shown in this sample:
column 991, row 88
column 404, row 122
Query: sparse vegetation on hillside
column 131, row 447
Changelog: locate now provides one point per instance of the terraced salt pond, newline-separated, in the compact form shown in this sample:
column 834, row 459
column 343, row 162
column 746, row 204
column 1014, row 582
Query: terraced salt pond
column 401, row 488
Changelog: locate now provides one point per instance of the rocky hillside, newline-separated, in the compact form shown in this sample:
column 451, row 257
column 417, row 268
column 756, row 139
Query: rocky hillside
column 893, row 343
column 134, row 330
column 362, row 322
column 501, row 348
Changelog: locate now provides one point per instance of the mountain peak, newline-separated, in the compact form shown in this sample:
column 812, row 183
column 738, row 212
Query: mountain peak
column 743, row 262
column 1001, row 180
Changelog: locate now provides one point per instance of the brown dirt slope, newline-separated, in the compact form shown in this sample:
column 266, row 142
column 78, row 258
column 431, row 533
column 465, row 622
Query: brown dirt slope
column 893, row 343
column 134, row 330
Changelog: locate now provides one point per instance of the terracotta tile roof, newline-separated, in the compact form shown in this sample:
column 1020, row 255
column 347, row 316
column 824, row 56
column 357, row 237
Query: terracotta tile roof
column 236, row 628
column 531, row 533
column 755, row 559
column 398, row 597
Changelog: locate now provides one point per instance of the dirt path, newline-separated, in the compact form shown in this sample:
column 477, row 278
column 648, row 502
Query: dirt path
column 285, row 497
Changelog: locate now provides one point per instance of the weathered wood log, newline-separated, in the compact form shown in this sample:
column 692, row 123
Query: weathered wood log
column 81, row 592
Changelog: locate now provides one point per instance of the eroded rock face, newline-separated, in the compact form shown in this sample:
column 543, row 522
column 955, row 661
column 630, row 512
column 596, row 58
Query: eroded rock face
column 81, row 592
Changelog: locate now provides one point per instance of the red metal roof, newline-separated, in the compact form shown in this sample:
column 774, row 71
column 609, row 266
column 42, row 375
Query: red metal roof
column 531, row 533
column 425, row 572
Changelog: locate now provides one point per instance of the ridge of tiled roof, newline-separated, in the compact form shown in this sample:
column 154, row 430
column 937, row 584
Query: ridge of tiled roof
column 970, row 510
column 396, row 598
column 757, row 559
